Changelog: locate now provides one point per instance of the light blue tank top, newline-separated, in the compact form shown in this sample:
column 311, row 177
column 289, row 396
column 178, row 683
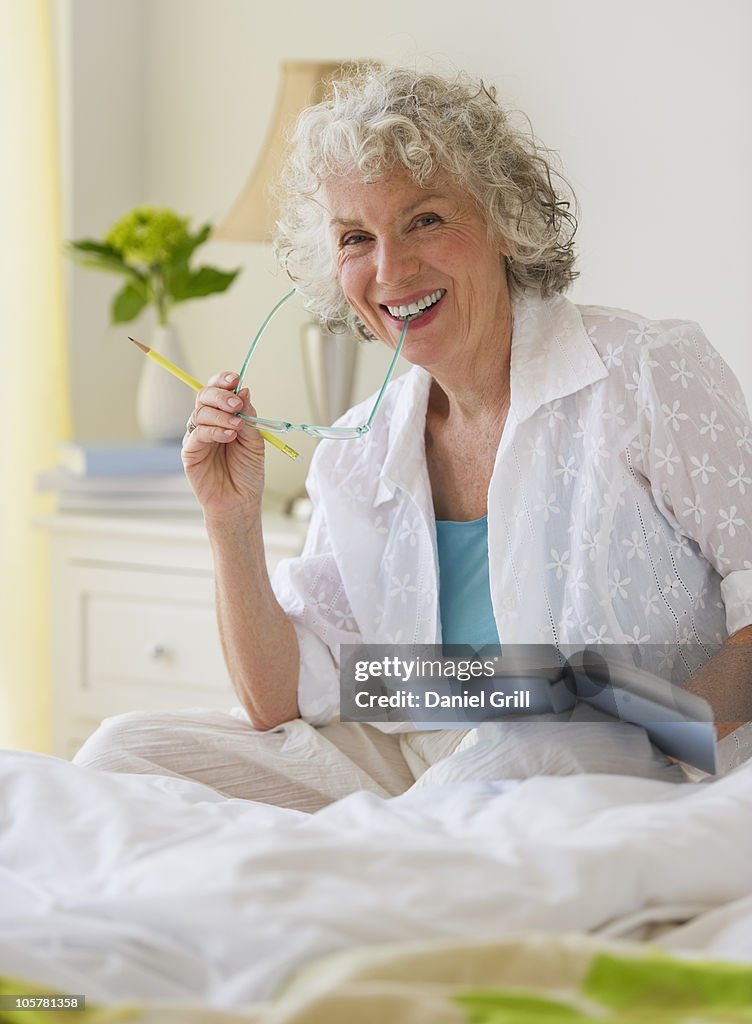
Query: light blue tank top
column 464, row 589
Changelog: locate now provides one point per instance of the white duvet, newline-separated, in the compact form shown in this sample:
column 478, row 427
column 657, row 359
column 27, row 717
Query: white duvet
column 138, row 886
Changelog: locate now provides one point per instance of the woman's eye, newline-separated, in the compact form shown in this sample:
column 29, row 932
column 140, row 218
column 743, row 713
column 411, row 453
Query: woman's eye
column 427, row 220
column 353, row 239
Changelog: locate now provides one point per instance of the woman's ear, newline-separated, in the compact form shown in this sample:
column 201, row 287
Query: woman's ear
column 362, row 331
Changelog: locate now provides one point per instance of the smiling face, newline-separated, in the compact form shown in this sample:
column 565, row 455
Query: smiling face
column 423, row 253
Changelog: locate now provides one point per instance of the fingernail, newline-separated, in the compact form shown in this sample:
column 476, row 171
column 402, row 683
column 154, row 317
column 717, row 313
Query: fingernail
column 230, row 377
column 234, row 402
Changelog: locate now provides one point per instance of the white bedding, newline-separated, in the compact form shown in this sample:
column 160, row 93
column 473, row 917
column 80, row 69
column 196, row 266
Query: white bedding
column 138, row 886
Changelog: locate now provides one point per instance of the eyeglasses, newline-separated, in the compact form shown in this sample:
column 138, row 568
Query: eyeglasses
column 332, row 433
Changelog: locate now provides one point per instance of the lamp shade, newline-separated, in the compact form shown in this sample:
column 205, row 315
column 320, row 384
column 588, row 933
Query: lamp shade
column 303, row 83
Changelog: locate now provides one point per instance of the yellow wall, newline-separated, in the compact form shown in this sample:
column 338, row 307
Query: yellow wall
column 33, row 384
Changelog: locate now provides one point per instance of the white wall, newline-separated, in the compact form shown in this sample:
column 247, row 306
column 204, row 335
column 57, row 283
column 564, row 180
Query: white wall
column 647, row 103
column 103, row 118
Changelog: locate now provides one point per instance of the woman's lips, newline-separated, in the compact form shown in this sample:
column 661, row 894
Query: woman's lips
column 414, row 325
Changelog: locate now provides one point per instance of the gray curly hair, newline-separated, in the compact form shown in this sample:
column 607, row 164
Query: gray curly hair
column 378, row 117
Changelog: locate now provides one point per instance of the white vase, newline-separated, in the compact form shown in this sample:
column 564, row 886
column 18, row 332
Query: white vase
column 163, row 403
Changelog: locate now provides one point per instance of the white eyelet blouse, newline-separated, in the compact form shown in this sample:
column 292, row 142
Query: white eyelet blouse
column 619, row 509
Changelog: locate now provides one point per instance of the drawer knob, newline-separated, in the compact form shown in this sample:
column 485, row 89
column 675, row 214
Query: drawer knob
column 158, row 652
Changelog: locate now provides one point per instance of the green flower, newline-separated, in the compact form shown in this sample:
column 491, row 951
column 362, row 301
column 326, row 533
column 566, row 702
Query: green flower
column 148, row 236
column 152, row 249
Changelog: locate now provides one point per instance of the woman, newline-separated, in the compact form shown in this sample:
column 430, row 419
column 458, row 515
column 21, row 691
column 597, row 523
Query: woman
column 568, row 473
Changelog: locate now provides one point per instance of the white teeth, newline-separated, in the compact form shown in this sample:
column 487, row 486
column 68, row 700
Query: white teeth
column 416, row 308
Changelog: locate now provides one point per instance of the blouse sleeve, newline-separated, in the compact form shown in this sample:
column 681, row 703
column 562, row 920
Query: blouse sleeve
column 696, row 451
column 310, row 590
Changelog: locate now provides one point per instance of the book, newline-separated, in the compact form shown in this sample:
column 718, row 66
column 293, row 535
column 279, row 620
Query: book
column 157, row 493
column 434, row 687
column 120, row 458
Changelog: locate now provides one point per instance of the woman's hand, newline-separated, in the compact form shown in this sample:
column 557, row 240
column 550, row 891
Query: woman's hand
column 223, row 456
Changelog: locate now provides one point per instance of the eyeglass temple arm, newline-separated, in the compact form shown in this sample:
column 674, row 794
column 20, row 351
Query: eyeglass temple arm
column 388, row 377
column 263, row 327
column 256, row 340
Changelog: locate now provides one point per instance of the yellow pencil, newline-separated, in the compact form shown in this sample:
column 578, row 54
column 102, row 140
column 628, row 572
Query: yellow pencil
column 197, row 385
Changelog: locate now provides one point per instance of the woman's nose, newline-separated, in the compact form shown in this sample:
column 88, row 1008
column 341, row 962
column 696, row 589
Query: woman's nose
column 395, row 262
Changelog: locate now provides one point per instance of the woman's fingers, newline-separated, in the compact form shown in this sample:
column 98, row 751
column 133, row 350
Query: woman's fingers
column 219, row 394
column 220, row 405
column 219, row 398
column 225, row 379
column 215, row 416
column 208, row 416
column 202, row 435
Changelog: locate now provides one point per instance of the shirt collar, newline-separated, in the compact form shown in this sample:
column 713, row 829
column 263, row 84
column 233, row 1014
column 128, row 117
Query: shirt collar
column 552, row 357
column 407, row 426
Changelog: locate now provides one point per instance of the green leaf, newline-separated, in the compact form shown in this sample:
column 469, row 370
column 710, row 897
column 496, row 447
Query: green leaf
column 192, row 242
column 107, row 266
column 89, row 245
column 180, row 256
column 494, row 1006
column 128, row 303
column 660, row 981
column 102, row 257
column 109, row 261
column 656, row 988
column 186, row 284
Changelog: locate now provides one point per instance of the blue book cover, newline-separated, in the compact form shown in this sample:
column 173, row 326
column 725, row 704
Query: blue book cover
column 120, row 458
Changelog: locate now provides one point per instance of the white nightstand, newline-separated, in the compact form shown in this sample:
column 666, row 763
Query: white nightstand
column 133, row 626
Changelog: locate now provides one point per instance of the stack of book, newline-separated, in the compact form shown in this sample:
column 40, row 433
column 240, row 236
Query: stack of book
column 142, row 475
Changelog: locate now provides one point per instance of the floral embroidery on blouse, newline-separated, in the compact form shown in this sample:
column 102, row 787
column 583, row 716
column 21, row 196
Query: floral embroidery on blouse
column 619, row 510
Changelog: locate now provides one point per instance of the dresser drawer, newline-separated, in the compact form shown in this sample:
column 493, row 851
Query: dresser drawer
column 133, row 624
column 148, row 641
